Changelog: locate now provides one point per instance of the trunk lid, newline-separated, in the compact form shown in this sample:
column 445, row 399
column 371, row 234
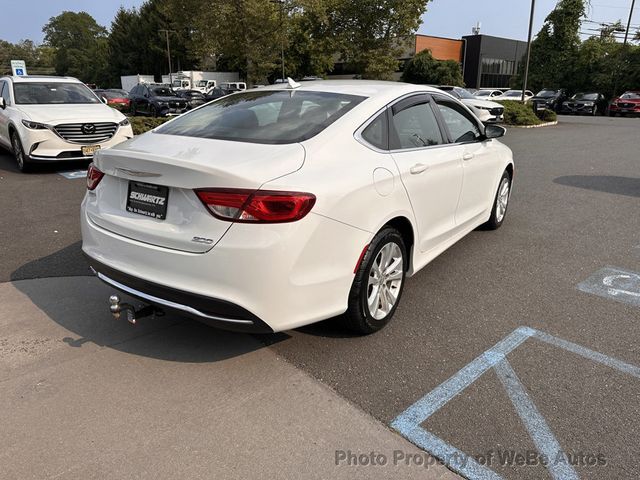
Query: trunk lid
column 181, row 164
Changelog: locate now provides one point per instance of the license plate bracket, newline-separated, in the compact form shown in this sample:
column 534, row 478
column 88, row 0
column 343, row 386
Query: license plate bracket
column 148, row 199
column 89, row 150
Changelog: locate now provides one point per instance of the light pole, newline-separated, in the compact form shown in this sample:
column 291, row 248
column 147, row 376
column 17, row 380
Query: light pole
column 167, row 32
column 622, row 52
column 526, row 67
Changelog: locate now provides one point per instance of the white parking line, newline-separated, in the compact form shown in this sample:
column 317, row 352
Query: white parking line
column 408, row 423
column 615, row 284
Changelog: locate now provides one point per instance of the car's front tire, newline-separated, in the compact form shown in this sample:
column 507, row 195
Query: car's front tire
column 18, row 152
column 500, row 203
column 378, row 284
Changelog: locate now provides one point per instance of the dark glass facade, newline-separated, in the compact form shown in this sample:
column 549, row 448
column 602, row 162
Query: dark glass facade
column 491, row 62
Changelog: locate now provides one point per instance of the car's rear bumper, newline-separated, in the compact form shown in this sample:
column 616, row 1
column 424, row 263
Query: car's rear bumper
column 219, row 313
column 285, row 275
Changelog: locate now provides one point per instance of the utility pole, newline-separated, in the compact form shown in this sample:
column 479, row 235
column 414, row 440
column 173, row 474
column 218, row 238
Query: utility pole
column 526, row 68
column 167, row 32
column 626, row 35
column 622, row 52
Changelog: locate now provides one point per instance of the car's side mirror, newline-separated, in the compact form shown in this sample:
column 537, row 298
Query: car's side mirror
column 494, row 131
column 104, row 100
column 3, row 104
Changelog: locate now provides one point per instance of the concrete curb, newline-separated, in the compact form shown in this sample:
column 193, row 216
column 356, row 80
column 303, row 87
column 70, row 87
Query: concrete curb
column 548, row 124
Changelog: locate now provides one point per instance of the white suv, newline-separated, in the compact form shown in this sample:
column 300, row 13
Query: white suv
column 44, row 119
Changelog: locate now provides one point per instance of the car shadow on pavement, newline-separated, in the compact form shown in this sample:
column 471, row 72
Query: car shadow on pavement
column 80, row 305
column 8, row 165
column 627, row 186
column 67, row 262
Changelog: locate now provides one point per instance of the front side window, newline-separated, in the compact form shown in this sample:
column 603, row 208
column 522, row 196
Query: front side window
column 415, row 127
column 459, row 122
column 52, row 93
column 271, row 117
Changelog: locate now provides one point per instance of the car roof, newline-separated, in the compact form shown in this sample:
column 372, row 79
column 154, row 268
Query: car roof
column 40, row 78
column 366, row 88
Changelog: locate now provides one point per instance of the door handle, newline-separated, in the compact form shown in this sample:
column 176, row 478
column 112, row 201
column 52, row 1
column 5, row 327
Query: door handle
column 468, row 156
column 419, row 168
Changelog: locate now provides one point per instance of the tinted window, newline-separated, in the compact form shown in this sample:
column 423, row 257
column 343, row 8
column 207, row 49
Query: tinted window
column 273, row 117
column 377, row 133
column 45, row 93
column 462, row 127
column 416, row 127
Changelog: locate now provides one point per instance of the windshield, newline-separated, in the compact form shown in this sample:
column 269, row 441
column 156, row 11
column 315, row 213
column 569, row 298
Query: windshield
column 513, row 94
column 272, row 117
column 631, row 96
column 52, row 93
column 111, row 95
column 162, row 92
column 484, row 93
column 547, row 93
column 585, row 96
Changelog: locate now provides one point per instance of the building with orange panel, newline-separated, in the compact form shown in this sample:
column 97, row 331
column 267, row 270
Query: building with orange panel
column 441, row 48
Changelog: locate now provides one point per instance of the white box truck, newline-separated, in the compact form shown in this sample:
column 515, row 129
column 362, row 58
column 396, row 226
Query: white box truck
column 130, row 81
column 197, row 80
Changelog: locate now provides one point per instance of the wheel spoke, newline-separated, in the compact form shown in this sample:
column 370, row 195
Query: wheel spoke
column 396, row 262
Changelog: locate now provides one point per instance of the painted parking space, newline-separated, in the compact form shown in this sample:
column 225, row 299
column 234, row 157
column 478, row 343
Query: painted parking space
column 614, row 284
column 74, row 174
column 409, row 423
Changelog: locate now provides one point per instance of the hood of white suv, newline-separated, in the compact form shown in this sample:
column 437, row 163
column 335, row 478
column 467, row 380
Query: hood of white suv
column 68, row 113
column 481, row 103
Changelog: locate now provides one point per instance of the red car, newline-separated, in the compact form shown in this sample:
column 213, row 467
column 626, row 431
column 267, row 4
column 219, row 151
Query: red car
column 118, row 99
column 626, row 104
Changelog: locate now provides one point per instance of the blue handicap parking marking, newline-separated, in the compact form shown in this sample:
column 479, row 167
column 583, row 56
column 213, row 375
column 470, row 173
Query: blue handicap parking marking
column 73, row 174
column 613, row 283
column 408, row 423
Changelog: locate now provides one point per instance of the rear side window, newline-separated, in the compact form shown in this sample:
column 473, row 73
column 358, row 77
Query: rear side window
column 377, row 133
column 271, row 117
column 415, row 127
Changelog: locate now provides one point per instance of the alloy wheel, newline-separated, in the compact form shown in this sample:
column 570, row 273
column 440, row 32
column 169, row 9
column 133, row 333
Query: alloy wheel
column 17, row 151
column 385, row 281
column 503, row 199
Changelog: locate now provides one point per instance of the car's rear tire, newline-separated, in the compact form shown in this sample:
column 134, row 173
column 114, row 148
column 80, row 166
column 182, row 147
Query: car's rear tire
column 133, row 109
column 500, row 203
column 18, row 152
column 154, row 111
column 378, row 284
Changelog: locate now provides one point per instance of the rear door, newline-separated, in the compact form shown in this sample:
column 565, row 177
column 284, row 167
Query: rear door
column 430, row 169
column 480, row 166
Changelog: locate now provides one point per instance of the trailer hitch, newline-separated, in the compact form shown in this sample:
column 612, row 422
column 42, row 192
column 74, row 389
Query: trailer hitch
column 117, row 308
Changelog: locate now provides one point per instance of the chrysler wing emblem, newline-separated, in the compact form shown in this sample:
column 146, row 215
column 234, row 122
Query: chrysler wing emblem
column 135, row 173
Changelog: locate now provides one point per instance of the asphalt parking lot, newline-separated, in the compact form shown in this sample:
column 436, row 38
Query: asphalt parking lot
column 570, row 382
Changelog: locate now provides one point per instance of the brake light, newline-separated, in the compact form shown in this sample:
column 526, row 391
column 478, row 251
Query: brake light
column 93, row 177
column 251, row 206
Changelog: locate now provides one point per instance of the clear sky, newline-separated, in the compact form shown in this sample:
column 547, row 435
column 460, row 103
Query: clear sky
column 446, row 18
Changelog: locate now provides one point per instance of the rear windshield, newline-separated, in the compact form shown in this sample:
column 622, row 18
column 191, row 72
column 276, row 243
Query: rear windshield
column 162, row 92
column 53, row 93
column 272, row 117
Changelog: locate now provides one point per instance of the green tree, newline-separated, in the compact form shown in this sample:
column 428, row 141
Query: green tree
column 80, row 45
column 38, row 58
column 554, row 51
column 424, row 69
column 137, row 45
column 371, row 33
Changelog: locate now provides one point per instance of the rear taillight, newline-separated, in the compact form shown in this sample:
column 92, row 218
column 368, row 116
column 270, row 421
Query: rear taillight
column 93, row 177
column 261, row 206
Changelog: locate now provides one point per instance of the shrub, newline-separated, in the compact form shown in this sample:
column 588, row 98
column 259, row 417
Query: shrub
column 519, row 114
column 549, row 116
column 424, row 69
column 144, row 124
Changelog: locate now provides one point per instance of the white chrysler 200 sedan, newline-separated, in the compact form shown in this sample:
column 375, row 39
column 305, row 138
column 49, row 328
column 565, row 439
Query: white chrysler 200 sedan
column 274, row 208
column 50, row 119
